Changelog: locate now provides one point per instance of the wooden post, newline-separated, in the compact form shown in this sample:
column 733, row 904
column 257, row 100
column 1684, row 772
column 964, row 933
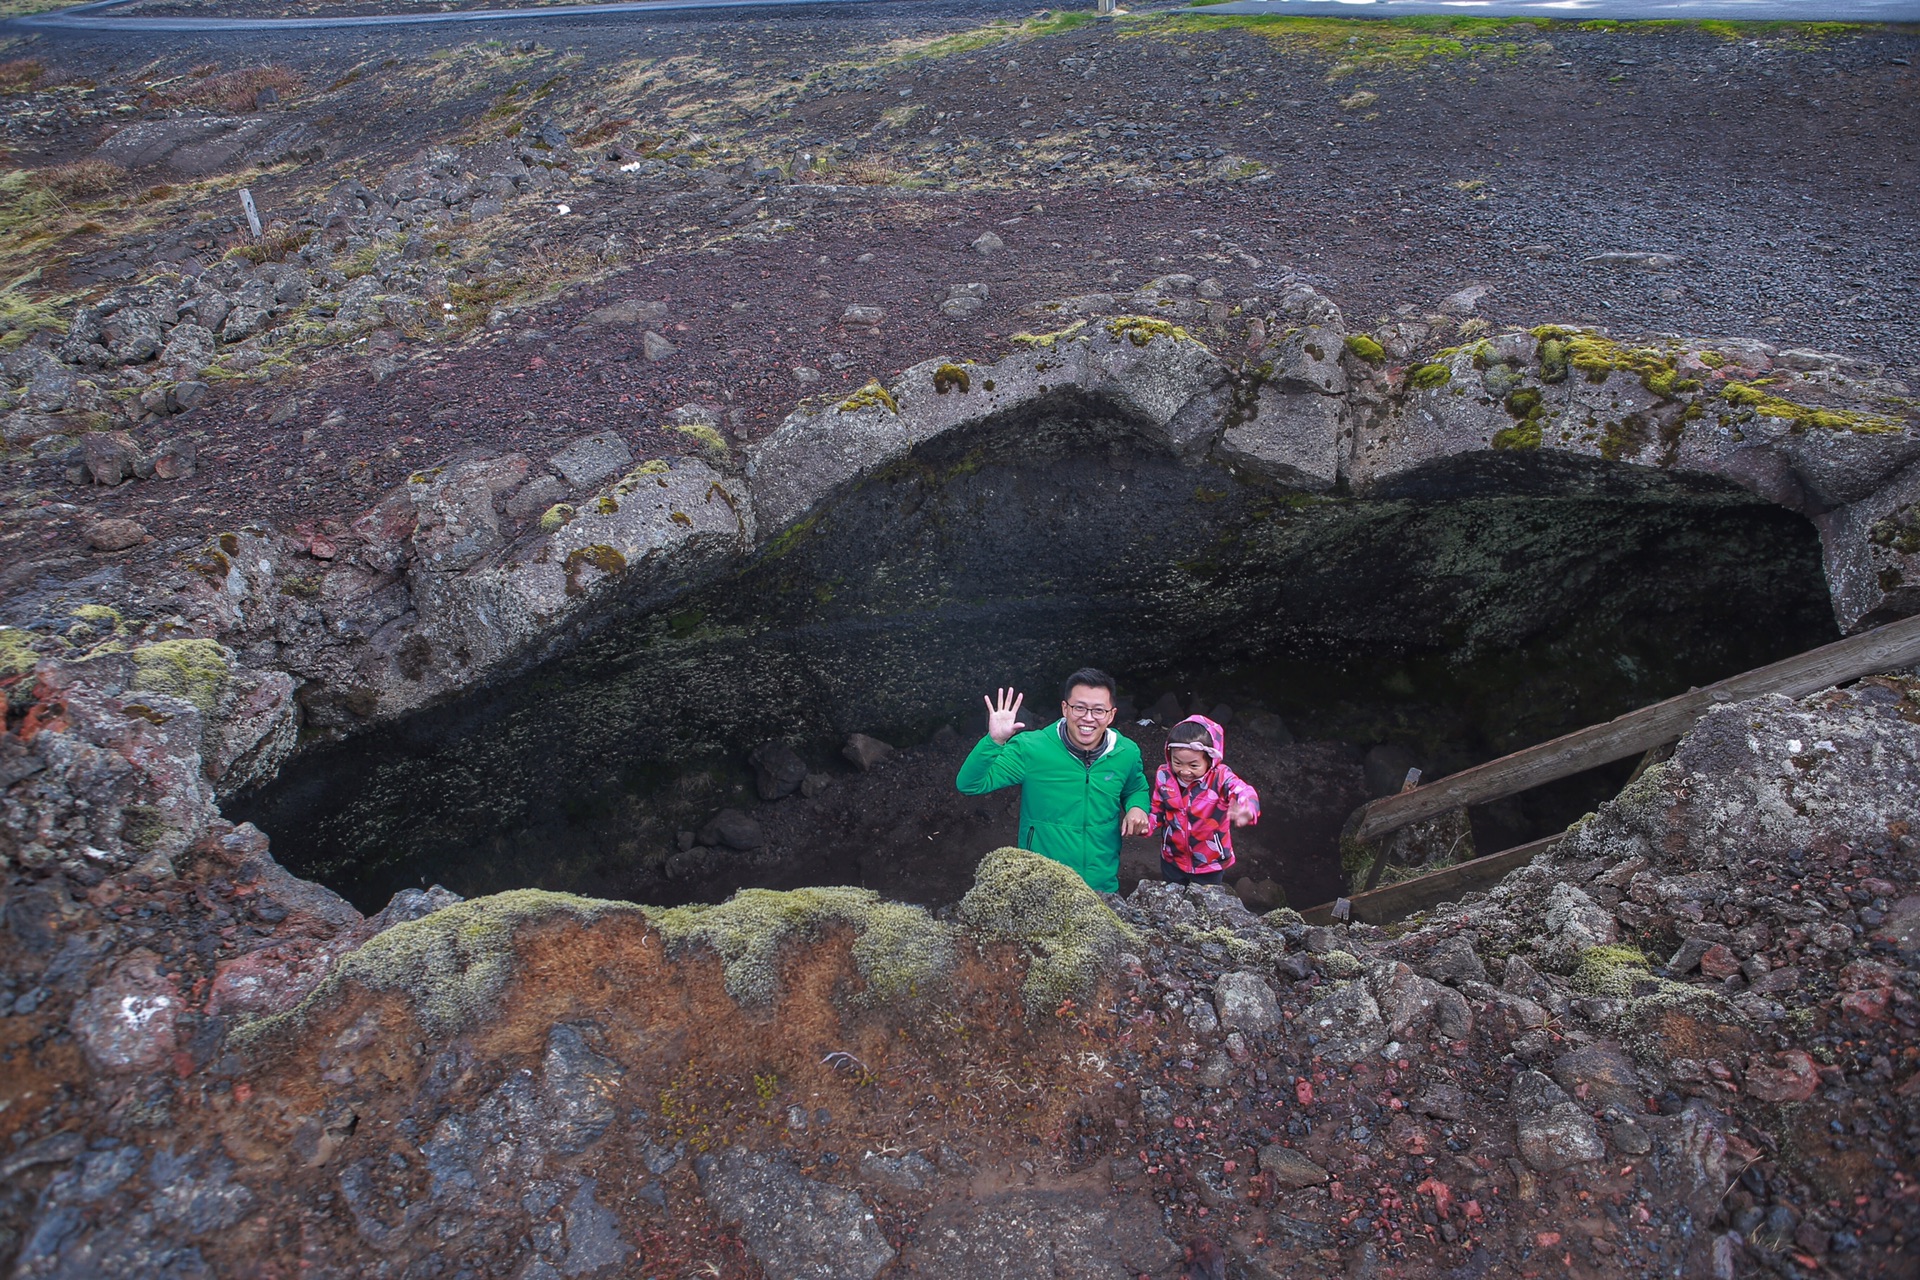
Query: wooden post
column 253, row 214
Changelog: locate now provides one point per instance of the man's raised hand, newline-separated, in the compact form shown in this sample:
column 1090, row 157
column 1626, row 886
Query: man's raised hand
column 1002, row 711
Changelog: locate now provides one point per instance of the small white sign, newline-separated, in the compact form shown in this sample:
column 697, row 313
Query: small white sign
column 253, row 214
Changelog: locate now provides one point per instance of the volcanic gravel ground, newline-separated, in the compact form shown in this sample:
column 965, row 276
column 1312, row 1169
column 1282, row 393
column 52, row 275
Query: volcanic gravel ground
column 1779, row 173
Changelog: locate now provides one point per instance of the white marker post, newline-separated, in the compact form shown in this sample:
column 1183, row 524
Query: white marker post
column 253, row 214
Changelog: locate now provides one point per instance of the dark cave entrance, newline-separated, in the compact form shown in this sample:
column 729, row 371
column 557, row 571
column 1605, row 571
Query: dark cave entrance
column 1472, row 610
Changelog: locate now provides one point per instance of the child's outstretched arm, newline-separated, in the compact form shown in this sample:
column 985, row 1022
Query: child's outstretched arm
column 1243, row 802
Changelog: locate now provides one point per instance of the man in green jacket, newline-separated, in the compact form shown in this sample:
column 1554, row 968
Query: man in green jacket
column 1077, row 776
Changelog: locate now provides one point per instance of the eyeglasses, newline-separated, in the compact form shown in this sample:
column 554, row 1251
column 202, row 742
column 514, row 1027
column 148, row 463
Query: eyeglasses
column 1085, row 712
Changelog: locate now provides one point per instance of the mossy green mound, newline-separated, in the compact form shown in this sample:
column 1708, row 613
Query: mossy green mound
column 901, row 951
column 452, row 964
column 194, row 671
column 1022, row 897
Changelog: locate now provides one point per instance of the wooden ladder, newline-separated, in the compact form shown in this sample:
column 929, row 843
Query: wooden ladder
column 1887, row 648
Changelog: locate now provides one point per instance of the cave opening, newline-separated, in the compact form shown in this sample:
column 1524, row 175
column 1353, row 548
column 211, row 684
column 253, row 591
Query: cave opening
column 1470, row 609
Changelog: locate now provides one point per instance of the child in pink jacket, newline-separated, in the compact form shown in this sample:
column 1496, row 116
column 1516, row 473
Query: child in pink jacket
column 1198, row 800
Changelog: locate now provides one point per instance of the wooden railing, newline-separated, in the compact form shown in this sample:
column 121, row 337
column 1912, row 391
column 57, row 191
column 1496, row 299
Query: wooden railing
column 1885, row 648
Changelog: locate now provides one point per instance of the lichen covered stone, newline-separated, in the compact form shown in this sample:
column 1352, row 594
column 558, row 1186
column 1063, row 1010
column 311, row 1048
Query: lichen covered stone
column 194, row 671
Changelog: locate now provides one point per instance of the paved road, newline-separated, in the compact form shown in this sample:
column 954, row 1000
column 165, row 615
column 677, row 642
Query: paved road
column 1741, row 10
column 99, row 16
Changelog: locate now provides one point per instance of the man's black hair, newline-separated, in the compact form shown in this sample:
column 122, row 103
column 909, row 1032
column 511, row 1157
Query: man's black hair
column 1090, row 678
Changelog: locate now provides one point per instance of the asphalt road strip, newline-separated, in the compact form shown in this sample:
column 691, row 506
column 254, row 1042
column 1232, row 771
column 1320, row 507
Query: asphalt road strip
column 1588, row 10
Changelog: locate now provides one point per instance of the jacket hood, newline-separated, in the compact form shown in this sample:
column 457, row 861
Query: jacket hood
column 1215, row 734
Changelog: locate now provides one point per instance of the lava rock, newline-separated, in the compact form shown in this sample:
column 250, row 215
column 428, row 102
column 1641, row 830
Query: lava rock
column 863, row 316
column 1289, row 1169
column 1442, row 1102
column 576, row 1090
column 778, row 770
column 732, row 829
column 1347, row 1023
column 109, row 456
column 595, row 1242
column 1554, row 1132
column 591, row 459
column 656, row 347
column 1245, row 1002
column 1455, row 961
column 864, row 751
column 535, row 496
column 795, row 1227
column 1600, row 1075
column 986, row 244
column 1788, row 1077
column 116, row 534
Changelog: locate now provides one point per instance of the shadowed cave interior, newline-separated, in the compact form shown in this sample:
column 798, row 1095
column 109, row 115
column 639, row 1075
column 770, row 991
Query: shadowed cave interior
column 1477, row 607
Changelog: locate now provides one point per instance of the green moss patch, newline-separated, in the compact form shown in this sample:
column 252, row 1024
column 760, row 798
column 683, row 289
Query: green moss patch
column 1361, row 347
column 870, row 396
column 1529, row 410
column 452, row 965
column 1765, row 404
column 1047, row 341
column 1612, row 971
column 555, row 517
column 1072, row 935
column 900, row 950
column 710, row 441
column 1429, row 376
column 17, row 657
column 194, row 671
column 1140, row 330
column 952, row 377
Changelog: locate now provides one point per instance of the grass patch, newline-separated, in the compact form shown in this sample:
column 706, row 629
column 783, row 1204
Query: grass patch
column 230, row 91
column 17, row 75
column 22, row 314
column 1371, row 42
column 277, row 246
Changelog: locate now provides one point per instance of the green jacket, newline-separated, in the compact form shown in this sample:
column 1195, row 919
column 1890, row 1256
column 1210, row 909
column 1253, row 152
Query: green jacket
column 1069, row 811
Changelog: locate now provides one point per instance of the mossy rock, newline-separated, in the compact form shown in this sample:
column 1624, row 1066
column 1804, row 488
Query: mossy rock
column 1429, row 376
column 1612, row 971
column 1802, row 417
column 1047, row 341
column 1018, row 896
column 870, row 396
column 710, row 441
column 194, row 671
column 452, row 965
column 1341, row 965
column 555, row 517
column 900, row 950
column 1140, row 330
column 1361, row 347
